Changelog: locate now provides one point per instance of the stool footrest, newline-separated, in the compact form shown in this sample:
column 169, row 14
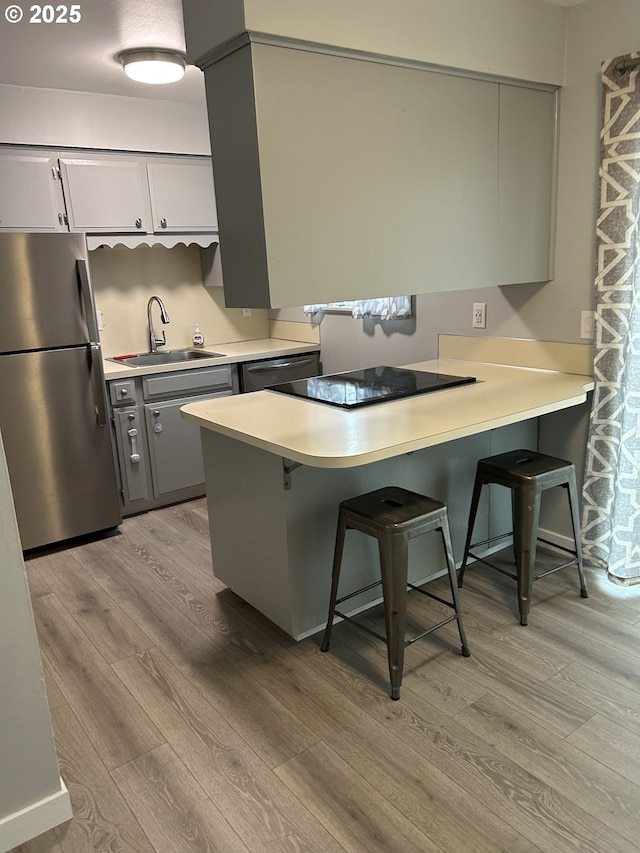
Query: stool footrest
column 360, row 625
column 513, row 576
column 431, row 595
column 430, row 630
column 408, row 642
column 358, row 592
column 493, row 566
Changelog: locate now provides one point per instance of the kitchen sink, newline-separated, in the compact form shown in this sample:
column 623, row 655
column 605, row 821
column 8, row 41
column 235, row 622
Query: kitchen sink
column 175, row 356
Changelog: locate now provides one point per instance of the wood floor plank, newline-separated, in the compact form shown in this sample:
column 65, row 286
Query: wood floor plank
column 37, row 584
column 619, row 704
column 574, row 634
column 112, row 562
column 565, row 768
column 230, row 772
column 497, row 752
column 616, row 748
column 360, row 818
column 620, row 665
column 256, row 714
column 487, row 672
column 45, row 843
column 157, row 574
column 404, row 775
column 101, row 819
column 117, row 726
column 604, row 599
column 55, row 696
column 508, row 788
column 174, row 811
column 224, row 610
column 110, row 630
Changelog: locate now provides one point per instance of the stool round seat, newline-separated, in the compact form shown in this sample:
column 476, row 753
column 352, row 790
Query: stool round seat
column 393, row 516
column 527, row 474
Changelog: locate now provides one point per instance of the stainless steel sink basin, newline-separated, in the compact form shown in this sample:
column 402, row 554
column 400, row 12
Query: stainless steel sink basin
column 175, row 356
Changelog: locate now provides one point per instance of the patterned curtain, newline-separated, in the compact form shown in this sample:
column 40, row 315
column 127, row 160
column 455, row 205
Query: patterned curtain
column 611, row 492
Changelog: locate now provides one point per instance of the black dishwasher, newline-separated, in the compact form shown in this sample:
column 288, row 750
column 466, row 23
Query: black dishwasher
column 257, row 375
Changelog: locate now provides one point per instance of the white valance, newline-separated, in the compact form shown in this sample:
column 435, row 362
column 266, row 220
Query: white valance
column 386, row 308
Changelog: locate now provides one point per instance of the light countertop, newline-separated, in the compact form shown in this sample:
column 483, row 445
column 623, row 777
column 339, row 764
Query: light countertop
column 233, row 353
column 325, row 436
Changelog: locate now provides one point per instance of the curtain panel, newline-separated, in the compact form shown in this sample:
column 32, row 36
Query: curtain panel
column 611, row 491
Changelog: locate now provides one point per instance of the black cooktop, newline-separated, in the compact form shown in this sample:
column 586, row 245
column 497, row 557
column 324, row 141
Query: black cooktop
column 357, row 388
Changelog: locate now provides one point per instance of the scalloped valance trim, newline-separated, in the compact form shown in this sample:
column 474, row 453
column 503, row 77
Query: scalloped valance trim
column 132, row 241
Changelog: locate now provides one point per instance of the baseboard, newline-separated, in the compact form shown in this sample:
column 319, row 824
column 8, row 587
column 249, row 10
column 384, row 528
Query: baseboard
column 565, row 542
column 35, row 819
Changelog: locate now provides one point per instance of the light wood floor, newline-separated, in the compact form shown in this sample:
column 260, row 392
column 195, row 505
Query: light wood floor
column 185, row 721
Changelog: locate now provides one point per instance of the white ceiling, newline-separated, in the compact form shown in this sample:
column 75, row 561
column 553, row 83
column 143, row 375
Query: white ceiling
column 81, row 57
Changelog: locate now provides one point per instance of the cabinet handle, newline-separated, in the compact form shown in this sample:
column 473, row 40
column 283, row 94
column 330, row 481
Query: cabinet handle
column 60, row 219
column 138, row 223
column 163, row 223
column 133, row 433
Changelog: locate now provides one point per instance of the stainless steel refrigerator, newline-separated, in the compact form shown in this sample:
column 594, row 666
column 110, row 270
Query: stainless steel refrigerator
column 53, row 414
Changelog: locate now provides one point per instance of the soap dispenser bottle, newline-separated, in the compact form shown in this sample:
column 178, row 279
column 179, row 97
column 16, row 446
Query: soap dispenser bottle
column 198, row 339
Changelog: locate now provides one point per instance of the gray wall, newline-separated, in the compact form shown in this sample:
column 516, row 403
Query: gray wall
column 597, row 30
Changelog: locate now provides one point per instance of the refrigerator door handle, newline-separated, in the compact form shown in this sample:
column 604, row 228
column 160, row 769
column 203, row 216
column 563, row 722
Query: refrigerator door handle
column 96, row 370
column 87, row 298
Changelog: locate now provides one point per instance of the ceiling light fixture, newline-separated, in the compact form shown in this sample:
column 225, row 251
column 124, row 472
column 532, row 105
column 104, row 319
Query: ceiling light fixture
column 153, row 65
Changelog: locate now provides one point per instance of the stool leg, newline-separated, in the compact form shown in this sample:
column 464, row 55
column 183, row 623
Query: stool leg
column 475, row 500
column 394, row 557
column 573, row 508
column 335, row 579
column 451, row 568
column 526, row 515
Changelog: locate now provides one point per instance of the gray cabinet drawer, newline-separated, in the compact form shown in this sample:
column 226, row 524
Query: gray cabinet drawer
column 122, row 391
column 186, row 382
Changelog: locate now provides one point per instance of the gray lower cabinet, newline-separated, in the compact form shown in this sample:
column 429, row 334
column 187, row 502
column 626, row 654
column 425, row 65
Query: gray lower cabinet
column 159, row 454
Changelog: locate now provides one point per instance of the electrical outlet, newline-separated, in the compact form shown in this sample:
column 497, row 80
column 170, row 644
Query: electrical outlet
column 479, row 319
column 586, row 325
column 246, row 312
column 100, row 320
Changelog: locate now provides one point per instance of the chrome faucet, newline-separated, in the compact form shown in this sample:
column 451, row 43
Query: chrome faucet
column 155, row 342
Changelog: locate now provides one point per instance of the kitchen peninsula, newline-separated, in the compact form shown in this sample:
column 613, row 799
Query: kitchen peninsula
column 276, row 468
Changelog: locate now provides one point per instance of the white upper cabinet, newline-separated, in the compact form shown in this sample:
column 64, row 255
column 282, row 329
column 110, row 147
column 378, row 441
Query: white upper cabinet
column 107, row 194
column 31, row 196
column 182, row 195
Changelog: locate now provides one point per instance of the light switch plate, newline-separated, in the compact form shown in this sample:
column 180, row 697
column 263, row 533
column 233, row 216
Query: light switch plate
column 586, row 325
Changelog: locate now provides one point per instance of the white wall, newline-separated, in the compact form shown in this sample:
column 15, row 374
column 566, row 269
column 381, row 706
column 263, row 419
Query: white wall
column 124, row 279
column 32, row 797
column 52, row 117
column 520, row 39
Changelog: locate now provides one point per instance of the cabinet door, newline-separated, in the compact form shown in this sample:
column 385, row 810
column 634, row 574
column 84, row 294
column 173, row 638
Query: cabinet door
column 107, row 194
column 31, row 197
column 182, row 196
column 129, row 429
column 174, row 443
column 526, row 184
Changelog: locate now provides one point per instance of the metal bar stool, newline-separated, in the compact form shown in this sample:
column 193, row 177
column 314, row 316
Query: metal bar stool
column 393, row 516
column 527, row 474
